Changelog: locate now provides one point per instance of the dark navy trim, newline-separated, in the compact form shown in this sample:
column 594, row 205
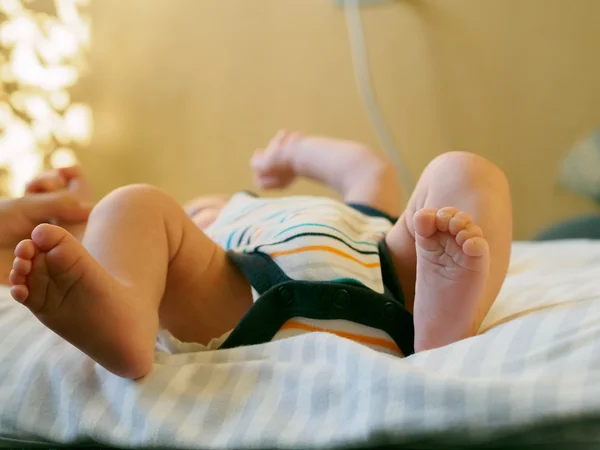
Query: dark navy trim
column 282, row 298
column 388, row 272
column 259, row 269
column 371, row 212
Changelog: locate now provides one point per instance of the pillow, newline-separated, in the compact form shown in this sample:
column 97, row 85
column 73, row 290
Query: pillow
column 580, row 170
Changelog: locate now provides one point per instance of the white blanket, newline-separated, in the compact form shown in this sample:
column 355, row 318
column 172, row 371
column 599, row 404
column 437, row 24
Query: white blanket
column 538, row 357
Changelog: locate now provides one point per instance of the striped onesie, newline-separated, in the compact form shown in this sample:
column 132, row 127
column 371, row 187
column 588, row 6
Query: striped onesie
column 314, row 264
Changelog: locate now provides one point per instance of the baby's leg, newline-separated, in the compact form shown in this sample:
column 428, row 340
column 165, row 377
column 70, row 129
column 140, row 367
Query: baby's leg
column 457, row 277
column 142, row 262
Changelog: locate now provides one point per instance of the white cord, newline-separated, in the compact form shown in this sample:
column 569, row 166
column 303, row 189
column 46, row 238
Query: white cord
column 366, row 91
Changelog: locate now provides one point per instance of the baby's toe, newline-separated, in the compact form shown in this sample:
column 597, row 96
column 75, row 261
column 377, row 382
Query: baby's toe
column 443, row 217
column 19, row 293
column 424, row 222
column 16, row 278
column 25, row 249
column 22, row 266
column 459, row 222
column 46, row 236
column 470, row 231
column 475, row 246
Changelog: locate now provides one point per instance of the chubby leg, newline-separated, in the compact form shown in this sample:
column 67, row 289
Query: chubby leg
column 143, row 263
column 451, row 246
column 457, row 227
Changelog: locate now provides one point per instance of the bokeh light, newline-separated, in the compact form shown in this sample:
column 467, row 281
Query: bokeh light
column 42, row 56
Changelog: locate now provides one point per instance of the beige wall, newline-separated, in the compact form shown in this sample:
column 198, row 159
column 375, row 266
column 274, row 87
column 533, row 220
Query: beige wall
column 185, row 90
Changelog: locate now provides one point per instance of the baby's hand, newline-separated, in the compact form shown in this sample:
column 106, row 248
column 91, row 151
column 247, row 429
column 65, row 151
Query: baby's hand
column 272, row 166
column 71, row 178
column 19, row 216
column 46, row 182
column 67, row 180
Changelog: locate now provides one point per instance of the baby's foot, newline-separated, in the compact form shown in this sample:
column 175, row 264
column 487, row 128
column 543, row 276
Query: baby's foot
column 452, row 269
column 70, row 293
column 72, row 179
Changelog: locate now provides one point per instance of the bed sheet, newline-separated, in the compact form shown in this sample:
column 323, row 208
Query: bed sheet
column 537, row 359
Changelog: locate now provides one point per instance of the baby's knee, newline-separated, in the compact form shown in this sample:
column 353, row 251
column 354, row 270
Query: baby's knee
column 471, row 169
column 134, row 196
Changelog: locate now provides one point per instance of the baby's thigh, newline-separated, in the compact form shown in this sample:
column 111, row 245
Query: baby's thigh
column 206, row 295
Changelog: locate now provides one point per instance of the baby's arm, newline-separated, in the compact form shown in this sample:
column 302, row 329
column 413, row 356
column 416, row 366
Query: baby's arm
column 356, row 173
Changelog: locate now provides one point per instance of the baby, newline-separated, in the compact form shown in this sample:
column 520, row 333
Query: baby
column 245, row 270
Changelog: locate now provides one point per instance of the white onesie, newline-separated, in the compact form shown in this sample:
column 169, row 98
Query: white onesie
column 280, row 244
